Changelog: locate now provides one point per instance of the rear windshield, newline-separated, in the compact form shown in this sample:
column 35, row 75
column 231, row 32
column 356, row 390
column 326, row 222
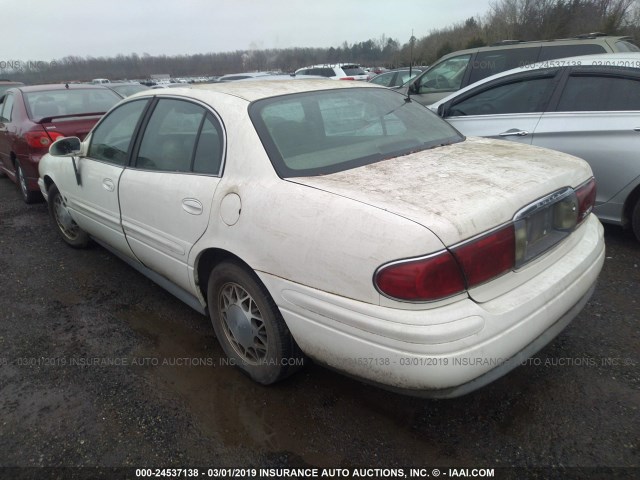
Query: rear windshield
column 321, row 132
column 54, row 103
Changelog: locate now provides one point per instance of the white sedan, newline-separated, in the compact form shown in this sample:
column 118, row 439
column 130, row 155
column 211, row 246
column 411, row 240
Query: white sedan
column 339, row 221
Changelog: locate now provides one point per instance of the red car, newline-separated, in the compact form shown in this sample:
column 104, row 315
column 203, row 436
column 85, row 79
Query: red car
column 32, row 118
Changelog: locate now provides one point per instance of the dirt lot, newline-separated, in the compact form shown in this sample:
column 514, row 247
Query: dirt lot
column 100, row 367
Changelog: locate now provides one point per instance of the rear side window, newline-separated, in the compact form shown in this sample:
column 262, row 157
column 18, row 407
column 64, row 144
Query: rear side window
column 599, row 93
column 562, row 51
column 208, row 156
column 353, row 70
column 319, row 71
column 111, row 139
column 524, row 96
column 490, row 62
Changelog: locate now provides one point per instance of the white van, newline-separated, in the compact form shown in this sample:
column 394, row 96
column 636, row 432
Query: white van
column 98, row 81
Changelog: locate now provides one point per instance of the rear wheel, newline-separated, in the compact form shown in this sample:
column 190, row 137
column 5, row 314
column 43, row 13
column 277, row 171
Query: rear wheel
column 66, row 226
column 249, row 326
column 635, row 220
column 27, row 195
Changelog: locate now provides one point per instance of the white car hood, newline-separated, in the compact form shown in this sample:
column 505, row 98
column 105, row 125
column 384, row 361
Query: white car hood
column 460, row 190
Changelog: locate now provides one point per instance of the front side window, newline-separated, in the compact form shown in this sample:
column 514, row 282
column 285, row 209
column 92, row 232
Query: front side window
column 322, row 132
column 111, row 139
column 600, row 94
column 524, row 96
column 319, row 71
column 181, row 137
column 445, row 76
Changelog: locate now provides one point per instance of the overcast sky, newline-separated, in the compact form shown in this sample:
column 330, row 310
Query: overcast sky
column 49, row 30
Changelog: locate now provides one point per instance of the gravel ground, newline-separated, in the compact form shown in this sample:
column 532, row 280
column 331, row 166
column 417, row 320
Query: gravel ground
column 100, row 367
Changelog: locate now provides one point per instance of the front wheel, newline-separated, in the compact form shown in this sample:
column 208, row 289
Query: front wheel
column 249, row 326
column 65, row 225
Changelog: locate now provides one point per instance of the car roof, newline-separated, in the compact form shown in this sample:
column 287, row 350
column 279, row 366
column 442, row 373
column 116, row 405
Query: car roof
column 509, row 44
column 256, row 90
column 628, row 60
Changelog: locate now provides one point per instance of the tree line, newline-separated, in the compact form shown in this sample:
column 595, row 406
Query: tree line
column 506, row 19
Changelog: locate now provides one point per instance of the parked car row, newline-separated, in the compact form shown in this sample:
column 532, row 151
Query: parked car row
column 336, row 221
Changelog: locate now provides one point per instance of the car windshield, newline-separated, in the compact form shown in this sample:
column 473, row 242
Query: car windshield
column 323, row 132
column 56, row 103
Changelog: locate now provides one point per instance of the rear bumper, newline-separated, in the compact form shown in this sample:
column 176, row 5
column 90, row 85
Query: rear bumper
column 450, row 350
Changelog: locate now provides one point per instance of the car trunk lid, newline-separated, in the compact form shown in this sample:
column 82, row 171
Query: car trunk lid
column 460, row 190
column 75, row 125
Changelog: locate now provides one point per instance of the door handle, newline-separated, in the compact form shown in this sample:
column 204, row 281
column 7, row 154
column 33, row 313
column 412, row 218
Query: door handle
column 108, row 185
column 637, row 129
column 192, row 206
column 514, row 132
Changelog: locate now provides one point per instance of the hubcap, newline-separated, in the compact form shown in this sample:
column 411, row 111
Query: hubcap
column 65, row 223
column 243, row 323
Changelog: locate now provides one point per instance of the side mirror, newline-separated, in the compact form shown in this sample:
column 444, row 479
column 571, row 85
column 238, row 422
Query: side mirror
column 441, row 110
column 66, row 147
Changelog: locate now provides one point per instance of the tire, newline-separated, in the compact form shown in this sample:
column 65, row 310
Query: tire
column 635, row 220
column 27, row 195
column 249, row 326
column 70, row 232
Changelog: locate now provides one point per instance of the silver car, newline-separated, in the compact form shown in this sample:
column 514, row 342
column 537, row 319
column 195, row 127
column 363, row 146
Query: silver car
column 587, row 106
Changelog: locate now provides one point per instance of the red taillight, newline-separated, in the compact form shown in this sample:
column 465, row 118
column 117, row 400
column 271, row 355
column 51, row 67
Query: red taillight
column 347, row 78
column 448, row 273
column 41, row 139
column 488, row 256
column 425, row 279
column 586, row 194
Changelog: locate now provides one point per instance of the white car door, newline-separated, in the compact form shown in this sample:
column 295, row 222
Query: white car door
column 166, row 197
column 92, row 196
column 508, row 109
column 597, row 118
